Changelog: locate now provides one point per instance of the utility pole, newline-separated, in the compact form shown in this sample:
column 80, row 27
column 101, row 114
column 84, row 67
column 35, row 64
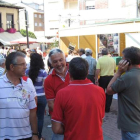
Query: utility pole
column 26, row 24
column 69, row 20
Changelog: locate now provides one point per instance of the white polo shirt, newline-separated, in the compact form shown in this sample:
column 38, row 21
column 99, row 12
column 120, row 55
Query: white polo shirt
column 15, row 105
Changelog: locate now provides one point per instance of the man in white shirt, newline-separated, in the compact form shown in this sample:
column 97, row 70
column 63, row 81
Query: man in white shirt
column 17, row 105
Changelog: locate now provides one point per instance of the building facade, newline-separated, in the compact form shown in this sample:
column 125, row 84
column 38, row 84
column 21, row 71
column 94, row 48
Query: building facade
column 35, row 18
column 9, row 23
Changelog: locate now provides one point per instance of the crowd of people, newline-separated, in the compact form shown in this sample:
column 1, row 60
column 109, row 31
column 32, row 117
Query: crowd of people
column 77, row 88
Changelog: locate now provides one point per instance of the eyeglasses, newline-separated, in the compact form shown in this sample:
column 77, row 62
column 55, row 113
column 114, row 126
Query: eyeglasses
column 22, row 64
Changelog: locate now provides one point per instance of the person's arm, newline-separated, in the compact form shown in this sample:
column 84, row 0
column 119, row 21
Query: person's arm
column 122, row 67
column 50, row 104
column 57, row 127
column 109, row 89
column 33, row 122
column 97, row 73
column 49, row 92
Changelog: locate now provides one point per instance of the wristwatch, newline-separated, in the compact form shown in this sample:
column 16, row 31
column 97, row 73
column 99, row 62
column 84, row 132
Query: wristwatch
column 35, row 133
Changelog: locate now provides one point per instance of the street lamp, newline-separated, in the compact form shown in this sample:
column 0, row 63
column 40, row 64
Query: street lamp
column 69, row 21
column 26, row 24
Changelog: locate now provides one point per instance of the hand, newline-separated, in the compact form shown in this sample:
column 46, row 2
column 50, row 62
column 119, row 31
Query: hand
column 122, row 67
column 96, row 82
column 35, row 137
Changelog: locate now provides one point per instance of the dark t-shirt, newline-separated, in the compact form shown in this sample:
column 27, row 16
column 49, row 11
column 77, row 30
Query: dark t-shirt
column 128, row 89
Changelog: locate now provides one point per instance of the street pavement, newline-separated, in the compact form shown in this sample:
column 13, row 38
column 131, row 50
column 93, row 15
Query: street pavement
column 110, row 130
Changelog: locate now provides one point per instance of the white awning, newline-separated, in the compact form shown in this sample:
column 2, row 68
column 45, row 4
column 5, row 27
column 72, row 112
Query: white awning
column 6, row 38
column 45, row 40
column 100, row 29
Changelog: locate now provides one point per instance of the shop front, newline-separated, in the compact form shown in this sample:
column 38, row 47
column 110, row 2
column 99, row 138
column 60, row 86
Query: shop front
column 96, row 37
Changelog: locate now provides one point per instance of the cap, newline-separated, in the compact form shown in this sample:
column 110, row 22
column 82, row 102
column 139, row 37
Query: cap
column 87, row 50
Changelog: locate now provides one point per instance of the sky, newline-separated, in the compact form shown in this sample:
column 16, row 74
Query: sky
column 26, row 1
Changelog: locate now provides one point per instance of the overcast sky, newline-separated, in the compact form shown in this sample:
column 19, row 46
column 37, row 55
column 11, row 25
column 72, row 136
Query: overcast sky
column 27, row 1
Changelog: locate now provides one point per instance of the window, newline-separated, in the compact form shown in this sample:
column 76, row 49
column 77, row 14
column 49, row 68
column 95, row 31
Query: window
column 39, row 16
column 90, row 7
column 53, row 28
column 40, row 24
column 10, row 21
column 35, row 24
column 35, row 15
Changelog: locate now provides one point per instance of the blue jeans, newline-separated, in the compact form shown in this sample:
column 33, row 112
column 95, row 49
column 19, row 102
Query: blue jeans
column 130, row 135
column 57, row 137
column 41, row 104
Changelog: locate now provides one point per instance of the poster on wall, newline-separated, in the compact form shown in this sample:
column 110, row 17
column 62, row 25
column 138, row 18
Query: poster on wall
column 110, row 41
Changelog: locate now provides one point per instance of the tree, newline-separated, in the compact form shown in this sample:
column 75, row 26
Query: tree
column 53, row 45
column 30, row 34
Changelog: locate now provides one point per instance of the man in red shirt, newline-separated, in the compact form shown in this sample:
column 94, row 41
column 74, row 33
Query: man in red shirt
column 58, row 79
column 80, row 107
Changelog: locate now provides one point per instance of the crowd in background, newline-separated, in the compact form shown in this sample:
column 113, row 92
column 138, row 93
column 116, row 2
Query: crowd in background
column 77, row 88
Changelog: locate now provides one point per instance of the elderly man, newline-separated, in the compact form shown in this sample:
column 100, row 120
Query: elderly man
column 17, row 103
column 2, row 65
column 105, row 68
column 92, row 65
column 80, row 107
column 58, row 79
column 128, row 88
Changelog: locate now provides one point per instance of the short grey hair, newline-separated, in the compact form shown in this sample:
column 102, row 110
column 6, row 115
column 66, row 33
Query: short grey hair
column 53, row 52
column 2, row 61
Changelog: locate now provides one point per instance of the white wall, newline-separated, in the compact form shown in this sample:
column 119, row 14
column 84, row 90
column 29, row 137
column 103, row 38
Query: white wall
column 30, row 14
column 132, row 39
column 52, row 11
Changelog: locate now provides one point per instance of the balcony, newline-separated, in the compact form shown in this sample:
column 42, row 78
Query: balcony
column 1, row 29
column 11, row 28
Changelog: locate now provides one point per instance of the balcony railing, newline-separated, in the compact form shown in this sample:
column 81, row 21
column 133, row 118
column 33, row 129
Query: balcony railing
column 9, row 26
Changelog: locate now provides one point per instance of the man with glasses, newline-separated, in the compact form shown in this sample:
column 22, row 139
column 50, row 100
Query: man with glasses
column 17, row 101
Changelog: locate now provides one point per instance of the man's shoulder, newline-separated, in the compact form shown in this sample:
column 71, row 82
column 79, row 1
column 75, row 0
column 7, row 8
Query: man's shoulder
column 65, row 90
column 27, row 80
column 49, row 80
column 49, row 77
column 2, row 78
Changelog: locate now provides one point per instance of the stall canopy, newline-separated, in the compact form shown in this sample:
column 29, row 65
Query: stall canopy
column 23, row 40
column 7, row 38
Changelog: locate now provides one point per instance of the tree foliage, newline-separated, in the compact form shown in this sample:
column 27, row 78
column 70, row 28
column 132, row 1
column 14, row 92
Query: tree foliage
column 30, row 34
column 53, row 45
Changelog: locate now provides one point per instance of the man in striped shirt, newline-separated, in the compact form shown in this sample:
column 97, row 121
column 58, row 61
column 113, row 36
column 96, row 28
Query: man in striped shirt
column 17, row 102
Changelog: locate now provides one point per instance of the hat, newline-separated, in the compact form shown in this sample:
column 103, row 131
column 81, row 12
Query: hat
column 87, row 50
